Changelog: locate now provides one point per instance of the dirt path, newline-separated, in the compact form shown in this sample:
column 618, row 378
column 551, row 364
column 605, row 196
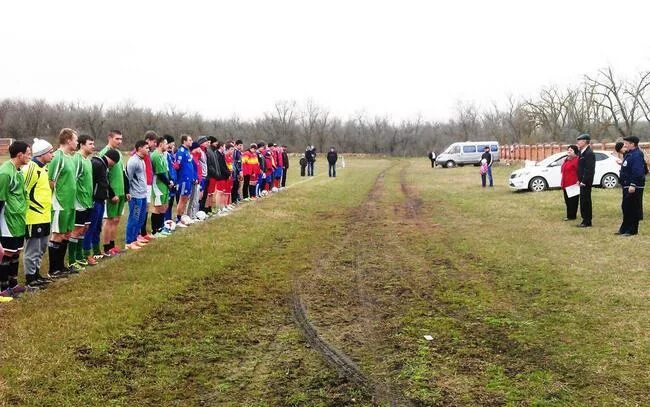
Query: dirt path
column 352, row 290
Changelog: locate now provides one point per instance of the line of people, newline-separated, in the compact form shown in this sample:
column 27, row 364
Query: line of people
column 66, row 201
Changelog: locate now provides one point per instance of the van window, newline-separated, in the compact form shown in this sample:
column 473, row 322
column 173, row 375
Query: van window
column 469, row 149
column 494, row 148
column 600, row 156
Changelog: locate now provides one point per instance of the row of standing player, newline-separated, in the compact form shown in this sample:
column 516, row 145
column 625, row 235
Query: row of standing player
column 61, row 200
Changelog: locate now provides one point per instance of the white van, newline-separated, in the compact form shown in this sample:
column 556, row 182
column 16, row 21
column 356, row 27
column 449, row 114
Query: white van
column 467, row 152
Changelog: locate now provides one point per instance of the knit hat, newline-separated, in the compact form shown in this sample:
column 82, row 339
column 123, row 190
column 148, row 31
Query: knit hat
column 113, row 154
column 40, row 147
column 195, row 145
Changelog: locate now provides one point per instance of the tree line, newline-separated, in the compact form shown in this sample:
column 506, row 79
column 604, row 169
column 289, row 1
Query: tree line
column 603, row 104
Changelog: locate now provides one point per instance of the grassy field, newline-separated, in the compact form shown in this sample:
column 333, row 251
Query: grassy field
column 523, row 309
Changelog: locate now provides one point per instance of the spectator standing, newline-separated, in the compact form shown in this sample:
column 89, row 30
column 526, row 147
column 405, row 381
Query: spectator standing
column 487, row 156
column 633, row 182
column 310, row 156
column 586, row 170
column 432, row 157
column 569, row 172
column 285, row 161
column 332, row 157
column 303, row 165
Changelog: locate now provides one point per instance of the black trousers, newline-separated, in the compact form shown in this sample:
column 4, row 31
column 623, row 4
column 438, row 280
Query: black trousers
column 571, row 205
column 641, row 203
column 630, row 207
column 234, row 192
column 284, row 177
column 302, row 171
column 245, row 191
column 332, row 170
column 585, row 204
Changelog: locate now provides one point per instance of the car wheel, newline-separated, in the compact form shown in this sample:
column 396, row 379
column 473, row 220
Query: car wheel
column 450, row 164
column 609, row 181
column 537, row 184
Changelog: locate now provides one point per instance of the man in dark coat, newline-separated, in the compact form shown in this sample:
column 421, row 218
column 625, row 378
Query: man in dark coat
column 633, row 182
column 285, row 162
column 332, row 156
column 310, row 155
column 586, row 170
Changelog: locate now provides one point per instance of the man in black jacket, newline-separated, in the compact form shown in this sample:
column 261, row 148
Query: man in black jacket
column 310, row 155
column 102, row 191
column 332, row 156
column 213, row 172
column 586, row 170
column 285, row 163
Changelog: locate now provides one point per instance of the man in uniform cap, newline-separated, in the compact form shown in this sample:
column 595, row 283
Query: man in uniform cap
column 633, row 181
column 586, row 170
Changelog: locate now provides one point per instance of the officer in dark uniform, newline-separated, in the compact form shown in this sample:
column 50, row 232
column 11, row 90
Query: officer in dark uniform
column 586, row 170
column 633, row 181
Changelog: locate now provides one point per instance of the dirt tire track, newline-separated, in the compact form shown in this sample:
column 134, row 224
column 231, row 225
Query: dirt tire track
column 382, row 393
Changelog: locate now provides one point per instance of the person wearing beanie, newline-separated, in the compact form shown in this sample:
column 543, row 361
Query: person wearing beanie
column 83, row 203
column 61, row 174
column 115, row 205
column 102, row 192
column 13, row 206
column 39, row 212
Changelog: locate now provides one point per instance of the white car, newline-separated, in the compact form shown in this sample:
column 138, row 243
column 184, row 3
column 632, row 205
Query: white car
column 545, row 174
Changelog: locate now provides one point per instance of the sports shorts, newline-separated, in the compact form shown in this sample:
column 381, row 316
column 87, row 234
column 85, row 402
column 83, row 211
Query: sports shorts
column 222, row 185
column 82, row 217
column 277, row 174
column 185, row 188
column 114, row 210
column 212, row 186
column 148, row 194
column 12, row 244
column 63, row 220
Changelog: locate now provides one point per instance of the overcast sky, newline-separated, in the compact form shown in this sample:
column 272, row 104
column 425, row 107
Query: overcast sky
column 396, row 58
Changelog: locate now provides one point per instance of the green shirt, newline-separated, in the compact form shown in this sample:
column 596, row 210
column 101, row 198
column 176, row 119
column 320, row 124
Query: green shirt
column 84, row 176
column 159, row 164
column 14, row 196
column 115, row 173
column 61, row 171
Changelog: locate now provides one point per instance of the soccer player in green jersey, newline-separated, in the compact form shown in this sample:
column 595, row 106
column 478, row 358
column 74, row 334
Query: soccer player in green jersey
column 115, row 205
column 61, row 173
column 13, row 206
column 83, row 202
column 160, row 188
